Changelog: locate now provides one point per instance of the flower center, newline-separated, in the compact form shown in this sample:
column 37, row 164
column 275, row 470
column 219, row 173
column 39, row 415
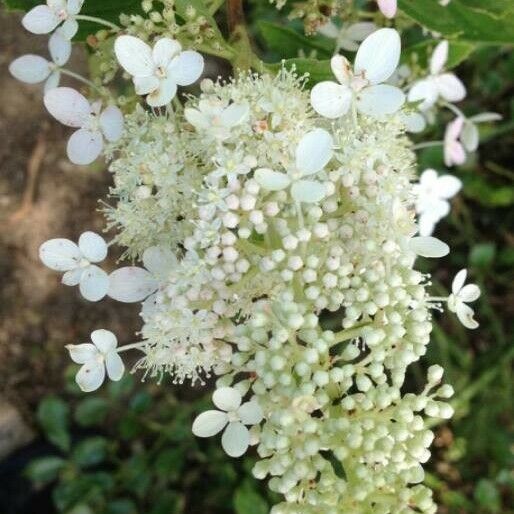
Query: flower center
column 160, row 72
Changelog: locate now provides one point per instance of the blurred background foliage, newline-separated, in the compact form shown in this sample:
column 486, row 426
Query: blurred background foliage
column 128, row 449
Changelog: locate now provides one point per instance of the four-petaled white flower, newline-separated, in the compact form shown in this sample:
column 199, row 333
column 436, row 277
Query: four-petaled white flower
column 461, row 295
column 313, row 153
column 157, row 72
column 216, row 118
column 73, row 110
column 347, row 37
column 43, row 19
column 432, row 195
column 362, row 88
column 96, row 358
column 76, row 262
column 234, row 416
column 388, row 7
column 33, row 69
column 438, row 84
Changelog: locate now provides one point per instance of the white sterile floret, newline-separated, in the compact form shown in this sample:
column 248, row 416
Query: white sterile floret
column 469, row 135
column 43, row 19
column 462, row 295
column 347, row 37
column 94, row 124
column 438, row 84
column 33, row 69
column 428, row 246
column 432, row 195
column 157, row 72
column 76, row 262
column 216, row 117
column 362, row 88
column 313, row 153
column 133, row 284
column 96, row 358
column 454, row 152
column 234, row 416
column 388, row 7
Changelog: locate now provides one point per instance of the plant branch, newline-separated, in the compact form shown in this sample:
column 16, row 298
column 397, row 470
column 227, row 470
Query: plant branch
column 235, row 15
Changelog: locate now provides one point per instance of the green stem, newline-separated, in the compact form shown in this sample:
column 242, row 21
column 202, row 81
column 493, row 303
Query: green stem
column 427, row 144
column 76, row 76
column 100, row 21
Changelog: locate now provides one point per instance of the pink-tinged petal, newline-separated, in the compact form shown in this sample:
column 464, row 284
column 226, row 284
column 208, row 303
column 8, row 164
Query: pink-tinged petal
column 60, row 254
column 439, row 58
column 94, row 283
column 226, row 398
column 69, row 28
column 93, row 246
column 454, row 128
column 91, row 376
column 72, row 277
column 378, row 55
column 30, row 69
column 164, row 51
column 235, row 439
column 330, row 99
column 111, row 123
column 458, row 281
column 82, row 353
column 134, row 55
column 114, row 366
column 52, row 81
column 163, row 94
column 380, row 100
column 60, row 48
column 454, row 153
column 67, row 106
column 341, row 69
column 40, row 20
column 186, row 68
column 388, row 7
column 450, row 87
column 104, row 340
column 131, row 284
column 145, row 85
column 84, row 146
column 209, row 423
column 314, row 151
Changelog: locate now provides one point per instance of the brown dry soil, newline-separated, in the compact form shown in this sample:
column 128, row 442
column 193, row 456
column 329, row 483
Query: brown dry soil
column 42, row 196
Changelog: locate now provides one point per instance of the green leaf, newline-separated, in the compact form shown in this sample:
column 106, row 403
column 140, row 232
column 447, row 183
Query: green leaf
column 121, row 506
column 248, row 501
column 82, row 489
column 487, row 495
column 44, row 469
column 170, row 463
column 91, row 411
column 287, row 43
column 482, row 255
column 469, row 20
column 317, row 70
column 90, row 452
column 53, row 416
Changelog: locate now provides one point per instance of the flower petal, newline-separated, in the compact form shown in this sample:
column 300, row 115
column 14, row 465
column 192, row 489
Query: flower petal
column 84, row 146
column 93, row 246
column 470, row 136
column 163, row 94
column 114, row 365
column 414, row 122
column 235, row 439
column 314, row 151
column 40, row 20
column 379, row 55
column 94, row 283
column 60, row 254
column 164, row 51
column 387, row 7
column 226, row 398
column 450, row 87
column 60, row 48
column 465, row 314
column 425, row 91
column 131, row 284
column 74, row 6
column 209, row 423
column 340, row 67
column 360, row 30
column 69, row 28
column 250, row 413
column 90, row 376
column 439, row 58
column 111, row 123
column 448, row 186
column 134, row 55
column 81, row 353
column 428, row 247
column 72, row 277
column 67, row 106
column 104, row 340
column 485, row 117
column 145, row 85
column 186, row 68
column 159, row 260
column 458, row 281
column 308, row 191
column 53, row 80
column 426, row 224
column 30, row 69
column 380, row 100
column 469, row 293
column 271, row 180
column 330, row 99
column 234, row 114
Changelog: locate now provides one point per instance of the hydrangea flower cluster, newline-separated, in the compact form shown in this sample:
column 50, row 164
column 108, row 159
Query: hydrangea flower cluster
column 277, row 238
